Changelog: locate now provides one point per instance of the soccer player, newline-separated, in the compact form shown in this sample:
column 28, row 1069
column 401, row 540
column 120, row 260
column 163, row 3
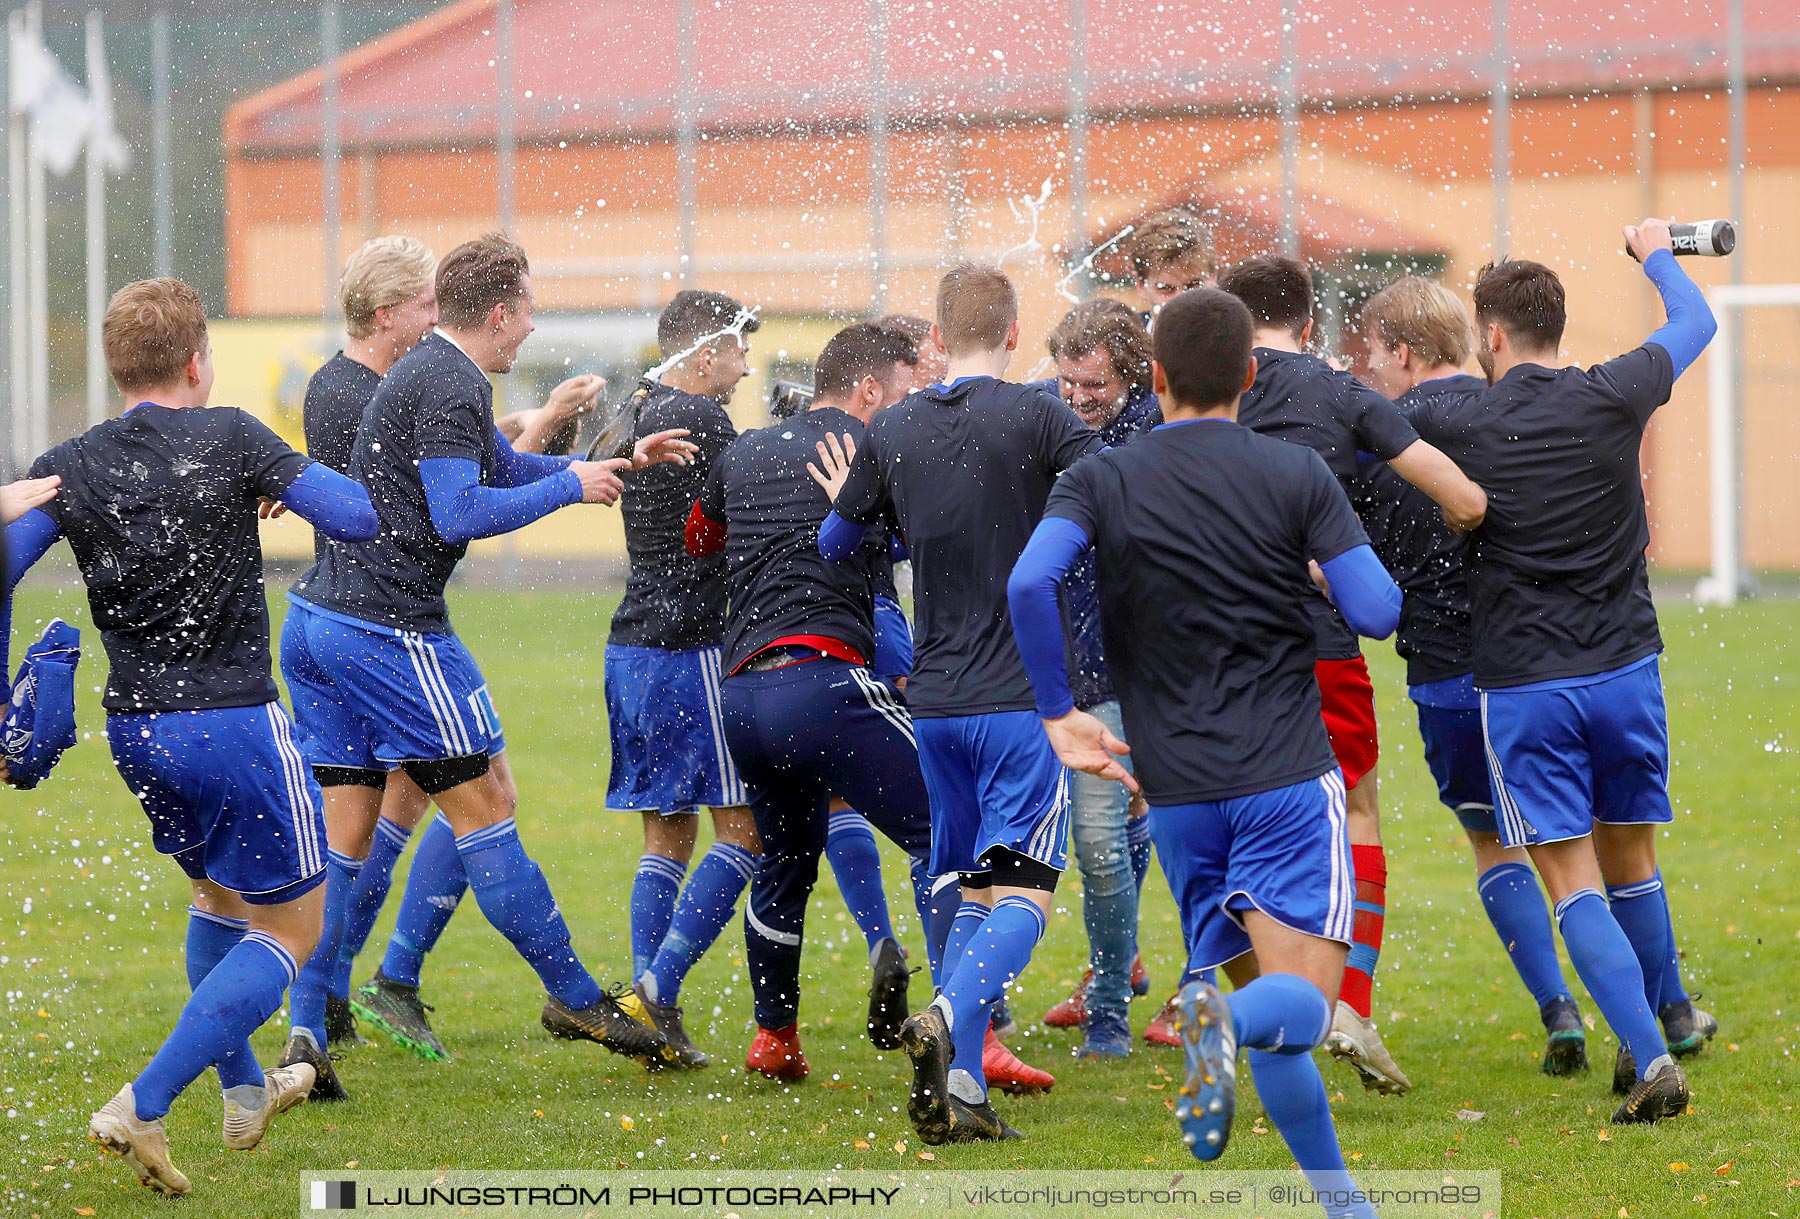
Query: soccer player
column 932, row 362
column 1102, row 355
column 669, row 755
column 1202, row 533
column 962, row 470
column 1171, row 252
column 1300, row 398
column 1418, row 340
column 378, row 678
column 1566, row 640
column 806, row 716
column 160, row 507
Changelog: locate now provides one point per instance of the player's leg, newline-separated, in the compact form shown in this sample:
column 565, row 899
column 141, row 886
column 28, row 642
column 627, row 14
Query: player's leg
column 856, row 863
column 1508, row 888
column 1543, row 777
column 403, row 806
column 1347, row 702
column 707, row 902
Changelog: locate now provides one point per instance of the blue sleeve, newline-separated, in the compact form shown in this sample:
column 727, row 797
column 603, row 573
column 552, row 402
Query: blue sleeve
column 463, row 510
column 1364, row 592
column 1691, row 324
column 515, row 469
column 897, row 548
column 336, row 506
column 1036, row 619
column 839, row 538
column 26, row 541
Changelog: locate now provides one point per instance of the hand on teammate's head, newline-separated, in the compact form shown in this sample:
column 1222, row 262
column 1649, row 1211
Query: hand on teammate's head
column 1648, row 236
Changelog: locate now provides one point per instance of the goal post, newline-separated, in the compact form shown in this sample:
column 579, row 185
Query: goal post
column 1729, row 578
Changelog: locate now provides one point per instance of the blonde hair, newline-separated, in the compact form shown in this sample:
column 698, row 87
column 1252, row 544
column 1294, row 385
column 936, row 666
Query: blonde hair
column 976, row 307
column 1426, row 316
column 381, row 273
column 152, row 328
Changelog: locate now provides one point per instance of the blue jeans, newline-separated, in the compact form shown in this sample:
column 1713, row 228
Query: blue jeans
column 1109, row 904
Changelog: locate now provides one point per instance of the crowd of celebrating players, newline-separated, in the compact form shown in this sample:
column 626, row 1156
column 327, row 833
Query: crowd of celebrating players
column 1138, row 591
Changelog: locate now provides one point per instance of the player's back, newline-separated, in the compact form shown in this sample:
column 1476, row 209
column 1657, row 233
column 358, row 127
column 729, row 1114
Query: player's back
column 779, row 584
column 1301, row 399
column 967, row 469
column 160, row 508
column 1201, row 532
column 336, row 396
column 433, row 403
column 672, row 599
column 1557, row 573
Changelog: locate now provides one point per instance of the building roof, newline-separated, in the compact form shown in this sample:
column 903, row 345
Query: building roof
column 609, row 68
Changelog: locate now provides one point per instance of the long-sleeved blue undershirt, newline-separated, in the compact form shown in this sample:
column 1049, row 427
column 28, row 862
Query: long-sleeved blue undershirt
column 1364, row 592
column 336, row 506
column 839, row 538
column 27, row 540
column 515, row 469
column 462, row 509
column 1691, row 324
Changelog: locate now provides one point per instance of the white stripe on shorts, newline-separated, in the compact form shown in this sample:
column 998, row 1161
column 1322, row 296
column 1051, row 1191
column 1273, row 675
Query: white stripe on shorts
column 1340, row 911
column 1504, row 804
column 443, row 706
column 881, row 700
column 451, row 709
column 731, row 788
column 293, row 768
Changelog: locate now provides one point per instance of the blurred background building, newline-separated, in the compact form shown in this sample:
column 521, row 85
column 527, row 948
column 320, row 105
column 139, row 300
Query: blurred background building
column 824, row 161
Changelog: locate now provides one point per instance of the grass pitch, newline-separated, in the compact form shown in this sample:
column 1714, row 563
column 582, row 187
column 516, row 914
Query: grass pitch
column 91, row 926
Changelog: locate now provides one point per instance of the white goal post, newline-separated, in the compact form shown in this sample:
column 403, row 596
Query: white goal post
column 1729, row 580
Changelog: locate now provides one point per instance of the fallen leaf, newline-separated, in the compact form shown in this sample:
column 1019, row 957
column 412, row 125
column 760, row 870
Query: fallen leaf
column 626, row 1122
column 1623, row 1213
column 927, row 1155
column 84, row 1210
column 1724, row 1168
column 1605, row 1135
column 1678, row 1166
column 537, row 1113
column 1470, row 1115
column 1356, row 1155
column 1732, row 1046
column 900, row 1147
column 861, row 1145
column 724, row 1139
column 351, row 1163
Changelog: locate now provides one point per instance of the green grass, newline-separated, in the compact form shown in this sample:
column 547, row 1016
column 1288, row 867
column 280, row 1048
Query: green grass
column 90, row 962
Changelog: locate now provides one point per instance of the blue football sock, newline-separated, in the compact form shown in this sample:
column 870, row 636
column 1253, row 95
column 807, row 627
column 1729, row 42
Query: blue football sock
column 1673, row 991
column 1293, row 1094
column 1280, row 1014
column 306, row 1003
column 856, row 862
column 1515, row 906
column 704, row 909
column 209, row 938
column 1642, row 912
column 1137, row 841
column 1609, row 968
column 232, row 1002
column 514, row 896
column 434, row 886
column 937, row 898
column 964, row 924
column 653, row 893
column 996, row 954
column 367, row 899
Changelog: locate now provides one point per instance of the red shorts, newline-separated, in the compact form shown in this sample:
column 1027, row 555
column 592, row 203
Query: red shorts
column 1347, row 700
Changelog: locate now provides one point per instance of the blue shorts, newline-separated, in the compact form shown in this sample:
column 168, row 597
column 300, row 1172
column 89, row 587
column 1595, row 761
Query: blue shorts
column 893, row 639
column 228, row 795
column 668, row 731
column 1563, row 758
column 1285, row 852
column 994, row 781
column 371, row 697
column 1457, row 755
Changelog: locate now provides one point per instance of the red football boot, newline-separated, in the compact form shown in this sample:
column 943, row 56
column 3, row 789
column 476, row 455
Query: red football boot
column 776, row 1054
column 1005, row 1072
column 1071, row 1012
column 1162, row 1030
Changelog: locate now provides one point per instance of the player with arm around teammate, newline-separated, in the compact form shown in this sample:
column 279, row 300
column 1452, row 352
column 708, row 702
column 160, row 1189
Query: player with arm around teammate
column 160, row 507
column 1203, row 532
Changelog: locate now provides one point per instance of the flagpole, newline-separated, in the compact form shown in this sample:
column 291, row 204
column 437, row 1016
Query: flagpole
column 18, row 308
column 39, row 355
column 100, row 96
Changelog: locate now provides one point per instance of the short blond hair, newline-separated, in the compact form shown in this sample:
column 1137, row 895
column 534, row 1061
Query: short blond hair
column 1167, row 237
column 382, row 272
column 1424, row 315
column 976, row 308
column 152, row 329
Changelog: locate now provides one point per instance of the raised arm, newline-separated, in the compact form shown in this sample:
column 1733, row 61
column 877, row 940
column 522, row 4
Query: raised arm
column 1691, row 324
column 515, row 467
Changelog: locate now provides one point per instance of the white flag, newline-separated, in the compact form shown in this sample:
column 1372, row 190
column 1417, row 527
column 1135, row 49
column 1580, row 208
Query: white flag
column 63, row 115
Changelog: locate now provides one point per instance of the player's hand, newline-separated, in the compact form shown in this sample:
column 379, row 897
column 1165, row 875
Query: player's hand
column 663, row 446
column 1318, row 577
column 18, row 498
column 574, row 397
column 834, row 463
column 1647, row 237
column 1085, row 744
column 268, row 509
column 600, row 482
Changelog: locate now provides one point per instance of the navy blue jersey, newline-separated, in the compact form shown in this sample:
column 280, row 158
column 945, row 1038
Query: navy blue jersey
column 160, row 509
column 336, row 397
column 963, row 472
column 434, row 402
column 780, row 585
column 1557, row 578
column 672, row 599
column 1201, row 533
column 1424, row 555
column 1302, row 399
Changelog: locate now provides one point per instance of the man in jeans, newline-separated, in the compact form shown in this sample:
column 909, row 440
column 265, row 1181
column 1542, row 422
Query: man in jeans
column 1102, row 355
